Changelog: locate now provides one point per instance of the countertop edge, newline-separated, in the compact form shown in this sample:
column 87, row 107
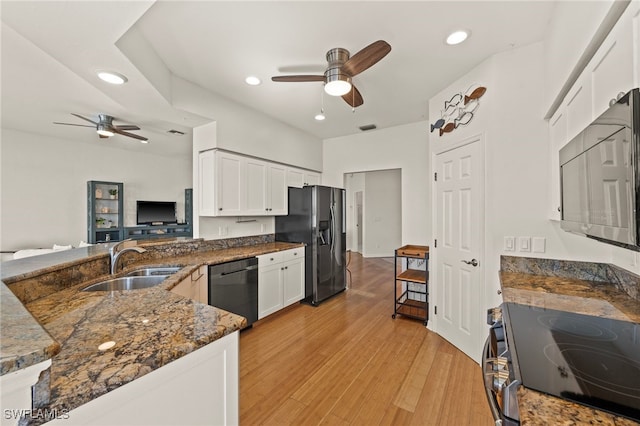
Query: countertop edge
column 40, row 346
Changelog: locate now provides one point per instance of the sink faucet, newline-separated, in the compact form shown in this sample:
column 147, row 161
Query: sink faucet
column 117, row 249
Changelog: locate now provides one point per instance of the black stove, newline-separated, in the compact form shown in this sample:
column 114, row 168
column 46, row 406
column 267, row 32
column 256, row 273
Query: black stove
column 590, row 360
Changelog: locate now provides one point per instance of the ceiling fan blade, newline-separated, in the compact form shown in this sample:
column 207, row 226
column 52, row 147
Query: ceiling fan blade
column 131, row 135
column 366, row 57
column 353, row 98
column 86, row 119
column 71, row 124
column 127, row 127
column 298, row 78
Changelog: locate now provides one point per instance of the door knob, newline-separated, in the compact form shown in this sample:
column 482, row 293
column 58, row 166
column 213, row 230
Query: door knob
column 471, row 262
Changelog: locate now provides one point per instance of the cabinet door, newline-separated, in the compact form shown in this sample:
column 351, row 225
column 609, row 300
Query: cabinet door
column 295, row 178
column 278, row 191
column 256, row 202
column 293, row 281
column 230, row 181
column 311, row 178
column 202, row 284
column 578, row 107
column 207, row 181
column 185, row 288
column 269, row 289
column 611, row 69
column 557, row 139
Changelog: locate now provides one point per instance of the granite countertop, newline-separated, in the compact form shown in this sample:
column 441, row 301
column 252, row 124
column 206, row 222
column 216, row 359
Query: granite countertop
column 150, row 327
column 586, row 288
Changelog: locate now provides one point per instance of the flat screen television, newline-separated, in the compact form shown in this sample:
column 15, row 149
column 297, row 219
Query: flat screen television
column 156, row 212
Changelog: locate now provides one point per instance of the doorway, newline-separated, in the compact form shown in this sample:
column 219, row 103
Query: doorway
column 374, row 212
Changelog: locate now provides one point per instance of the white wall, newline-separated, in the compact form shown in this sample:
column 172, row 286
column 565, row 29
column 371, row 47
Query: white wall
column 246, row 131
column 517, row 178
column 353, row 182
column 44, row 186
column 401, row 147
column 572, row 26
column 382, row 218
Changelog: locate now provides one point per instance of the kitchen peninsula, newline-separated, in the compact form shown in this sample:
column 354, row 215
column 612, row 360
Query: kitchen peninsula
column 169, row 351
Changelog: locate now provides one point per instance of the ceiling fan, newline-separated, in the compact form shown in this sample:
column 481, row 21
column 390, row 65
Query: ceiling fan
column 105, row 127
column 342, row 68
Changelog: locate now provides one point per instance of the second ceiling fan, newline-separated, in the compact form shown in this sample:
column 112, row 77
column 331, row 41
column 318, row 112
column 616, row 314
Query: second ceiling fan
column 342, row 68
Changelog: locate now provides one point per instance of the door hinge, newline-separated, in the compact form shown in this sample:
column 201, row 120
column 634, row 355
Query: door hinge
column 435, row 243
column 435, row 310
column 435, row 176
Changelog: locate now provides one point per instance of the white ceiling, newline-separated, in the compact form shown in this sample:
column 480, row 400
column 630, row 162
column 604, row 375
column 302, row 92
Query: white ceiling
column 51, row 50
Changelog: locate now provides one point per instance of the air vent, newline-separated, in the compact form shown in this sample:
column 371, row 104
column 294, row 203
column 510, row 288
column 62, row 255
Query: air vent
column 367, row 127
column 175, row 132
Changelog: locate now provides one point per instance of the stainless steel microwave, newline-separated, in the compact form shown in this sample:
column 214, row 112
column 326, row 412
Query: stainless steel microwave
column 600, row 176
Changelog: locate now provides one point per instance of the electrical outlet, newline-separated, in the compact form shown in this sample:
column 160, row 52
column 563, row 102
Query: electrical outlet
column 524, row 243
column 509, row 244
column 538, row 244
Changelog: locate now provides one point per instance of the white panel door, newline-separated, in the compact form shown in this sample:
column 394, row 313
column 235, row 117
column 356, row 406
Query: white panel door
column 459, row 232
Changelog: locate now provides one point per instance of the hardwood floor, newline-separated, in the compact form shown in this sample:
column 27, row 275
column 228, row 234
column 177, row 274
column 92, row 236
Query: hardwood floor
column 347, row 362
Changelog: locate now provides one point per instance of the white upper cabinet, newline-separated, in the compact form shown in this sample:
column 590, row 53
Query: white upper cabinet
column 235, row 185
column 610, row 71
column 614, row 69
column 256, row 187
column 557, row 137
column 229, row 181
column 298, row 178
column 277, row 191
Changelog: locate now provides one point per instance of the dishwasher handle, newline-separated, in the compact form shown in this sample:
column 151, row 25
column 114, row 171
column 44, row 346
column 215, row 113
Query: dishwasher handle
column 248, row 268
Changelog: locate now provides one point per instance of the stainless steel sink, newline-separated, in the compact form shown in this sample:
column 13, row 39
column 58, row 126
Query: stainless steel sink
column 127, row 283
column 154, row 271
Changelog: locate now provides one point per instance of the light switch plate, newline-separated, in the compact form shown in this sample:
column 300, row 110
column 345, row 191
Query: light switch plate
column 524, row 244
column 538, row 244
column 509, row 244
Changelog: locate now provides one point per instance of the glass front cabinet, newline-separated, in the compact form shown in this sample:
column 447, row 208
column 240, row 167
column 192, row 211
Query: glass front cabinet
column 105, row 219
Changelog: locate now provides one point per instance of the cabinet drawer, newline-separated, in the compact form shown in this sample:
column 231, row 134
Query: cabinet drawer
column 293, row 254
column 270, row 258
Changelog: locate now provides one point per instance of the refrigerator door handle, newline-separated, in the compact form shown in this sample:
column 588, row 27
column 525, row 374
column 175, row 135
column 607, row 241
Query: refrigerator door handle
column 331, row 228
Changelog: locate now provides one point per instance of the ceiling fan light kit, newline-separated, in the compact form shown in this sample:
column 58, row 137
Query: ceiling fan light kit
column 341, row 69
column 105, row 127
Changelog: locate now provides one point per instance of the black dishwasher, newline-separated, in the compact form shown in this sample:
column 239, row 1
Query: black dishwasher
column 233, row 286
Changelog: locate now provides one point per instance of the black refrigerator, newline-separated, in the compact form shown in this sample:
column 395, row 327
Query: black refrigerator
column 317, row 218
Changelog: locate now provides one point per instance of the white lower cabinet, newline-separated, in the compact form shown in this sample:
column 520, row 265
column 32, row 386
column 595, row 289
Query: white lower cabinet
column 195, row 286
column 280, row 280
column 200, row 388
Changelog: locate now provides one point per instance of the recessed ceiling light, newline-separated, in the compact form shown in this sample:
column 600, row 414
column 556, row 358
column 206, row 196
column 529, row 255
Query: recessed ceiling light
column 252, row 80
column 320, row 117
column 457, row 37
column 112, row 77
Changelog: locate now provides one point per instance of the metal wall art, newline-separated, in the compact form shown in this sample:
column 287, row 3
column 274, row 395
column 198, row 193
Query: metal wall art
column 459, row 110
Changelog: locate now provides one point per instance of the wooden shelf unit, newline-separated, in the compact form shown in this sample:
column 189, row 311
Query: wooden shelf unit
column 411, row 286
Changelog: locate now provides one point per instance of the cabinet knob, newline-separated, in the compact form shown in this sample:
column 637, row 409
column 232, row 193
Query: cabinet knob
column 499, row 291
column 220, row 208
column 271, row 259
